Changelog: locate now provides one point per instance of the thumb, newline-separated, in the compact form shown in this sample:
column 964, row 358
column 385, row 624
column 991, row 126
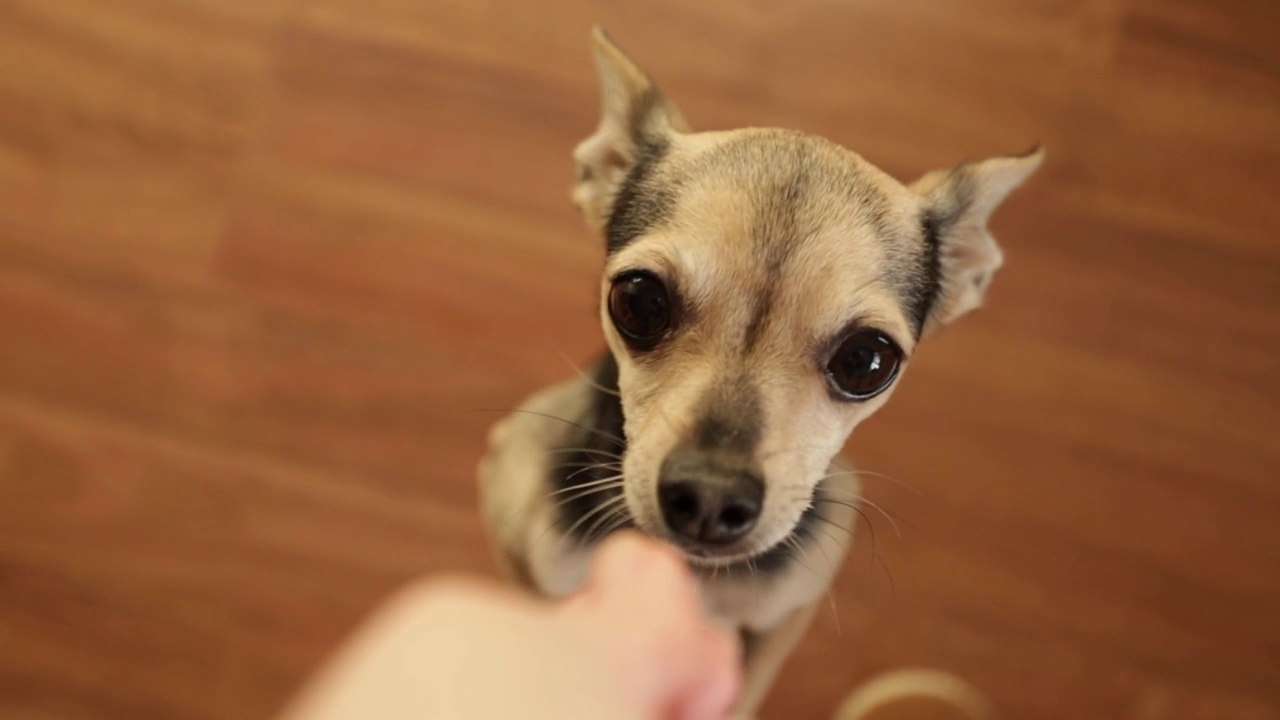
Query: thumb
column 643, row 604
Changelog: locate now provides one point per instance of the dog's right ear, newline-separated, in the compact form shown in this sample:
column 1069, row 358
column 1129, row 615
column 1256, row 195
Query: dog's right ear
column 636, row 121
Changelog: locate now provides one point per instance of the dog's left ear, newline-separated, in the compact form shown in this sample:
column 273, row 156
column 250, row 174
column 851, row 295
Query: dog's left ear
column 636, row 118
column 958, row 203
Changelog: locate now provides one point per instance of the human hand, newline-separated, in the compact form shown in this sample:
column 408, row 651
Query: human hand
column 642, row 608
column 632, row 645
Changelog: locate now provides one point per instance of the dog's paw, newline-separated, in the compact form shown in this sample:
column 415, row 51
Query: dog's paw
column 499, row 433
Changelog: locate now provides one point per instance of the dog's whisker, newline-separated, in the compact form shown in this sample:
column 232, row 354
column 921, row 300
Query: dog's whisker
column 903, row 483
column 835, row 611
column 819, row 487
column 583, row 467
column 589, row 464
column 842, row 493
column 897, row 529
column 849, row 531
column 599, row 433
column 835, row 524
column 863, row 501
column 783, row 451
column 551, row 525
column 593, row 513
column 830, row 535
column 870, row 473
column 616, row 479
column 831, row 597
column 613, row 484
column 825, row 557
column 622, row 517
column 797, row 552
column 583, row 375
column 603, row 521
column 835, row 539
column 892, row 516
column 616, row 482
column 871, row 530
column 893, row 586
column 579, row 471
column 590, row 450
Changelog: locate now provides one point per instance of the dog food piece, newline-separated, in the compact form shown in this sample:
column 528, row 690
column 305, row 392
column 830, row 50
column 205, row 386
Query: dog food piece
column 916, row 695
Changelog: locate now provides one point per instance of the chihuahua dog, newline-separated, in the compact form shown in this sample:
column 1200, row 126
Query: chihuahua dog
column 762, row 294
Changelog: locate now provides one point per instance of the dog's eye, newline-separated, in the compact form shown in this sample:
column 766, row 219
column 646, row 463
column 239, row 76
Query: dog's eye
column 640, row 308
column 864, row 364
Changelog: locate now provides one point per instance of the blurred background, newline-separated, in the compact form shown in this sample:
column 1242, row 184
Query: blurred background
column 268, row 266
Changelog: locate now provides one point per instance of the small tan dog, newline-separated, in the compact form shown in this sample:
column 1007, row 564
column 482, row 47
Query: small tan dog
column 763, row 292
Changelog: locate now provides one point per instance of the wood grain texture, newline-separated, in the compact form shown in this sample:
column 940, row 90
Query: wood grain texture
column 268, row 266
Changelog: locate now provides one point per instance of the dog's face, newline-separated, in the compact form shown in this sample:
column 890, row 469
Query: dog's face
column 763, row 293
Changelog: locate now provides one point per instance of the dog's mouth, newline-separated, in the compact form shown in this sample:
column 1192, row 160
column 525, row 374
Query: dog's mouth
column 746, row 562
column 748, row 557
column 711, row 557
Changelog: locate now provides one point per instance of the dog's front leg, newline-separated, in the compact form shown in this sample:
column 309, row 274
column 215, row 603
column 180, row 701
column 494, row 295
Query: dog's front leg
column 763, row 654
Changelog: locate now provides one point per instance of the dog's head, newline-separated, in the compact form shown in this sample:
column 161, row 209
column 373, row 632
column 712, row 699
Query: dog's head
column 763, row 292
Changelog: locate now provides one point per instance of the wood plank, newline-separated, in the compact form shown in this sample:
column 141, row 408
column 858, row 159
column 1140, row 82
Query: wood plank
column 270, row 268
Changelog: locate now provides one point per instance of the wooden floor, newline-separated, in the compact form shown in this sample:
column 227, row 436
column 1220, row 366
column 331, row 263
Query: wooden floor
column 267, row 267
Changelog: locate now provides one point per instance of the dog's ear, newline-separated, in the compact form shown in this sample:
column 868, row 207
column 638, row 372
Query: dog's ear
column 635, row 118
column 958, row 203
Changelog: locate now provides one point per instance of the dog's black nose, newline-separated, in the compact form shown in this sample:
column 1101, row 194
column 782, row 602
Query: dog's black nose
column 708, row 501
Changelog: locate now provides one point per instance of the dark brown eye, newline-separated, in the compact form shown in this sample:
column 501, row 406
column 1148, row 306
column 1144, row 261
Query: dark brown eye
column 864, row 364
column 640, row 308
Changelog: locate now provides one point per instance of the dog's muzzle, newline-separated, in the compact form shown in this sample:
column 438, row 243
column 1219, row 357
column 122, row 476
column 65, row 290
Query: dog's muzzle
column 709, row 500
